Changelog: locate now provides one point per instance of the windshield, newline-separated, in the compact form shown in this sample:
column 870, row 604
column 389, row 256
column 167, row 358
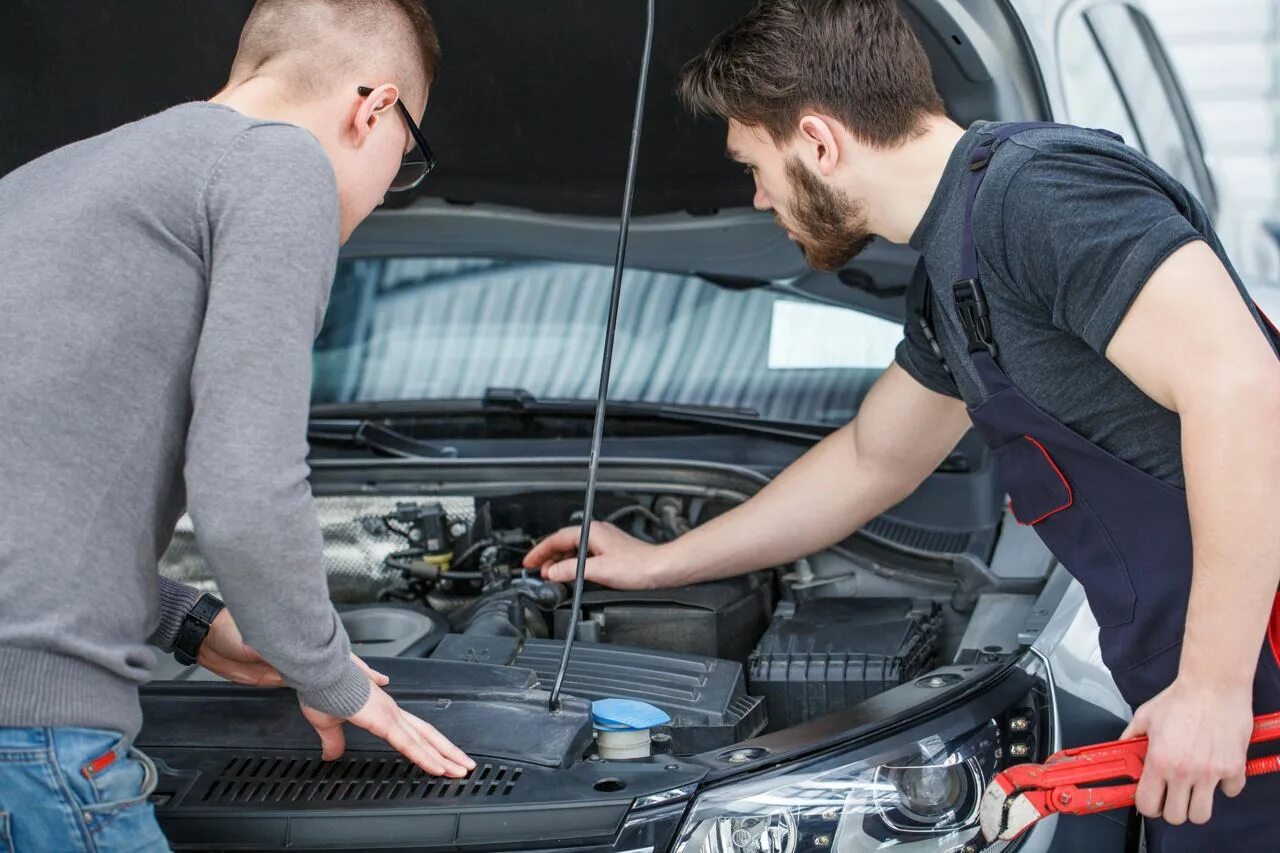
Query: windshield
column 450, row 328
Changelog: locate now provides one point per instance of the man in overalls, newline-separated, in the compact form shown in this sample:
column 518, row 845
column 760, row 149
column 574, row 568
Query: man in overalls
column 1083, row 316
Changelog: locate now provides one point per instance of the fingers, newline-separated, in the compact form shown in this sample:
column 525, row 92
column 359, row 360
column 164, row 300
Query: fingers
column 1188, row 795
column 1201, row 806
column 1177, row 798
column 1149, row 798
column 406, row 740
column 566, row 570
column 554, row 547
column 383, row 718
column 377, row 677
column 1233, row 785
column 1137, row 726
column 441, row 744
column 332, row 740
column 564, row 543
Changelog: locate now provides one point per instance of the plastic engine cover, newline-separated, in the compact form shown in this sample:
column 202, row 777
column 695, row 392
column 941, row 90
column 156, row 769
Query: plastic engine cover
column 827, row 654
column 489, row 711
column 706, row 698
column 718, row 619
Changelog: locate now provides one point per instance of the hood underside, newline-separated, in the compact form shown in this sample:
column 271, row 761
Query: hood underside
column 530, row 120
column 532, row 109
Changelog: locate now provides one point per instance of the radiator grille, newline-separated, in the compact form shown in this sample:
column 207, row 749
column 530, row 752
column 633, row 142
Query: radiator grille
column 281, row 779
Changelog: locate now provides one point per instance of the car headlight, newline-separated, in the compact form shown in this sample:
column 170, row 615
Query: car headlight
column 919, row 793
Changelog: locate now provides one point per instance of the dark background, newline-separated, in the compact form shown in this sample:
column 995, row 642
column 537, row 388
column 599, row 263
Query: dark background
column 533, row 106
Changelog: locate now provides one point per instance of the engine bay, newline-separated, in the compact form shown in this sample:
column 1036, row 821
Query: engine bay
column 432, row 591
column 441, row 579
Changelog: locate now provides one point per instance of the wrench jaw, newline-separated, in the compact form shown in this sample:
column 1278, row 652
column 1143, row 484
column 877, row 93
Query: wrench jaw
column 1005, row 812
column 1020, row 796
column 991, row 809
column 1021, row 814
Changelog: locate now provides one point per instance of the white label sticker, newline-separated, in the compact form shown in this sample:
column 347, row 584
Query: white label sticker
column 808, row 336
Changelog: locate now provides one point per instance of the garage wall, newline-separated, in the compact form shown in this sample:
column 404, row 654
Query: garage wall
column 1228, row 58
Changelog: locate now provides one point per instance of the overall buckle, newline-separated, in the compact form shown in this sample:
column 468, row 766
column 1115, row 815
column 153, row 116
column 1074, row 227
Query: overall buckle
column 971, row 305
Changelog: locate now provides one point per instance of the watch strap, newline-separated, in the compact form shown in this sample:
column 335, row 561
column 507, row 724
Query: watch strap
column 194, row 628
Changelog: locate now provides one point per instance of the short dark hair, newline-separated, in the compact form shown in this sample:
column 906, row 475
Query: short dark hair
column 856, row 60
column 277, row 28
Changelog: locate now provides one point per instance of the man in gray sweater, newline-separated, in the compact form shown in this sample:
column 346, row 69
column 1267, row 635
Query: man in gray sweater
column 160, row 289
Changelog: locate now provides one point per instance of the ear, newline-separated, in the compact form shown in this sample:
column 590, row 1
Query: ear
column 373, row 108
column 818, row 135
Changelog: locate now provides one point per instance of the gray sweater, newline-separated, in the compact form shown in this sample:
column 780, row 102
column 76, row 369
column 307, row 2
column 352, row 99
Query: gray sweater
column 160, row 289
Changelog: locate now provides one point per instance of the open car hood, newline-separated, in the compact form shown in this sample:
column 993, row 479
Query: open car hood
column 532, row 111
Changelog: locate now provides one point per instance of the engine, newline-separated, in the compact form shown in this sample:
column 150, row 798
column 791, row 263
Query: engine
column 441, row 578
column 460, row 559
column 469, row 572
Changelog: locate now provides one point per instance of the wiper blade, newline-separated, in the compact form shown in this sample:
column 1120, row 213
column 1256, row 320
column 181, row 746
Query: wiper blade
column 741, row 418
column 375, row 436
column 521, row 400
column 729, row 419
column 518, row 401
column 508, row 400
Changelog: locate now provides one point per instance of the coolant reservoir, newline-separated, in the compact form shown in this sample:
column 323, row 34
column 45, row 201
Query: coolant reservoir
column 623, row 727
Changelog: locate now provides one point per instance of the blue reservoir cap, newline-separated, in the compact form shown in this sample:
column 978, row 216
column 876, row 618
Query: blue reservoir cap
column 626, row 715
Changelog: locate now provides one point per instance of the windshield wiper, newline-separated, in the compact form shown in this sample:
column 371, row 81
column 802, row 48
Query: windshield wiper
column 374, row 436
column 519, row 401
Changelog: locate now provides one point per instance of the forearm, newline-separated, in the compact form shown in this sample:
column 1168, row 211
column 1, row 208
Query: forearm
column 255, row 518
column 817, row 501
column 903, row 432
column 267, row 558
column 1231, row 453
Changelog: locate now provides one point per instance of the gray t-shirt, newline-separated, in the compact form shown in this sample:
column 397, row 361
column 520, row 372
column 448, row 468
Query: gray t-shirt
column 1069, row 225
column 160, row 289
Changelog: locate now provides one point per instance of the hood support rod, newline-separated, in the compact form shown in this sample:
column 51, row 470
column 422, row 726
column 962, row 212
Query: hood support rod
column 611, row 330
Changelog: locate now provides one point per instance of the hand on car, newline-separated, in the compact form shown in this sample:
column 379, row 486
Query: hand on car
column 225, row 653
column 617, row 559
column 412, row 737
column 1198, row 737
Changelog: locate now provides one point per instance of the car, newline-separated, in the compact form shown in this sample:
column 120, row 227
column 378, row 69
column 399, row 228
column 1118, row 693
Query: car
column 857, row 699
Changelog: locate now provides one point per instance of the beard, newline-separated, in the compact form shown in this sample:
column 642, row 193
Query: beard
column 830, row 228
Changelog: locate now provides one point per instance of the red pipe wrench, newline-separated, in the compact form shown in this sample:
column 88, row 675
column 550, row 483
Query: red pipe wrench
column 1023, row 794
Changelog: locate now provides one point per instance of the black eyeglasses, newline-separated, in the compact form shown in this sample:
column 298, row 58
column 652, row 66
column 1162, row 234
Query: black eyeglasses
column 419, row 162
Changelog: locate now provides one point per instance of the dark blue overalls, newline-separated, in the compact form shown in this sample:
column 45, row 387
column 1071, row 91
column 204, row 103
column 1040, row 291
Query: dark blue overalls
column 1124, row 534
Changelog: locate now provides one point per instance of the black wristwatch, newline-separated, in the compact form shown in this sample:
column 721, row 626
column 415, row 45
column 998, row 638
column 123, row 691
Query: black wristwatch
column 194, row 628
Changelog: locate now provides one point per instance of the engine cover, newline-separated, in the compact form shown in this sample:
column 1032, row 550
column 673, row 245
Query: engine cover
column 705, row 698
column 720, row 619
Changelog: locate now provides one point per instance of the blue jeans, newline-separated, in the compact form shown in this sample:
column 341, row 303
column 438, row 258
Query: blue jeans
column 65, row 789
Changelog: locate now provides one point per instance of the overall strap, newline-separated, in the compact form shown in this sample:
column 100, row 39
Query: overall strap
column 924, row 312
column 971, row 304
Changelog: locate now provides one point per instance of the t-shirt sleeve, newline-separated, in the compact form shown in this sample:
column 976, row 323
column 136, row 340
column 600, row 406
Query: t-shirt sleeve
column 1082, row 233
column 915, row 354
